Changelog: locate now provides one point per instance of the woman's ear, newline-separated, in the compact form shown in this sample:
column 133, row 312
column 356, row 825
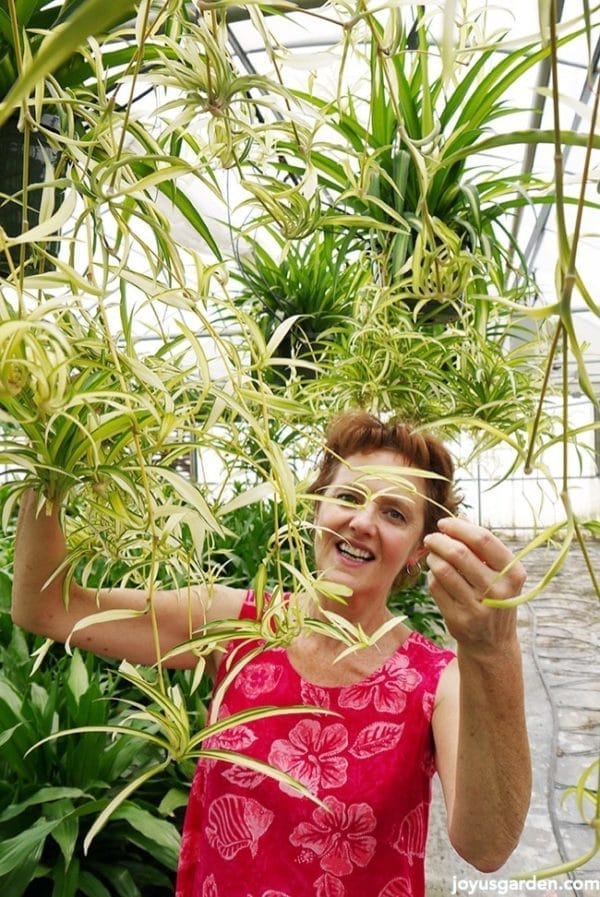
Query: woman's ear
column 416, row 554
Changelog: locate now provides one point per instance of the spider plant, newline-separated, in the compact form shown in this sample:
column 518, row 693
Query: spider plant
column 32, row 158
column 26, row 30
column 311, row 283
column 81, row 61
column 407, row 172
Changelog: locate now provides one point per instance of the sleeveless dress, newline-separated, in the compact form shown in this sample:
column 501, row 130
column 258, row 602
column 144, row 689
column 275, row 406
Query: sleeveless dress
column 370, row 763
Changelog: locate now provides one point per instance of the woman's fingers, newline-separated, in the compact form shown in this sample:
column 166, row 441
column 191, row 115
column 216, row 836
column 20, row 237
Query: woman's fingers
column 467, row 563
column 463, row 554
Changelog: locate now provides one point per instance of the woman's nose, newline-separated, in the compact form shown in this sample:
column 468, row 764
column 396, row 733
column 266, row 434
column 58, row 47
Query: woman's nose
column 363, row 517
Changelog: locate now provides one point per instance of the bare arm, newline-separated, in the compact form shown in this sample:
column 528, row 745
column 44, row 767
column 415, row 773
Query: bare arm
column 479, row 720
column 163, row 622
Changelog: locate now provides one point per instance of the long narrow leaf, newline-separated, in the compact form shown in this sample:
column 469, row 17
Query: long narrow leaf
column 92, row 17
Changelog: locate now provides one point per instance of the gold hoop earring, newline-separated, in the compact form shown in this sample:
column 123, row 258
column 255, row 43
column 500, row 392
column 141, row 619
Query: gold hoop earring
column 413, row 570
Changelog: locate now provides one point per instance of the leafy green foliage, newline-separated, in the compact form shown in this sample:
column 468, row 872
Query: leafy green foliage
column 403, row 180
column 51, row 794
column 42, row 39
column 416, row 604
column 314, row 285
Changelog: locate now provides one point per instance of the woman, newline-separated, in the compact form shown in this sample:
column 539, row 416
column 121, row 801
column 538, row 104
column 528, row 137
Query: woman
column 399, row 709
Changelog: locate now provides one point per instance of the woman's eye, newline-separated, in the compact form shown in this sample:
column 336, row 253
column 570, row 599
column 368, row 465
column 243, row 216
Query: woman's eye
column 395, row 514
column 351, row 498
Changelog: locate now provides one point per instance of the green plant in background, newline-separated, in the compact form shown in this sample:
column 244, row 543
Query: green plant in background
column 32, row 186
column 313, row 284
column 394, row 282
column 25, row 28
column 416, row 605
column 104, row 172
column 434, row 220
column 50, row 795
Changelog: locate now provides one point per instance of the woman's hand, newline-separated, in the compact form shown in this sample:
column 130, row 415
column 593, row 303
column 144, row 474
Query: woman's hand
column 466, row 563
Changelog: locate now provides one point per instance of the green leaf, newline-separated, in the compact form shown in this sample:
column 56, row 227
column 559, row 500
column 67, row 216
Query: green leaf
column 78, row 680
column 91, row 886
column 9, row 696
column 106, row 616
column 66, row 878
column 27, row 846
column 123, row 794
column 247, row 497
column 123, row 883
column 45, row 795
column 174, row 799
column 185, row 207
column 93, row 17
column 51, row 225
column 190, row 494
column 161, row 837
column 7, row 734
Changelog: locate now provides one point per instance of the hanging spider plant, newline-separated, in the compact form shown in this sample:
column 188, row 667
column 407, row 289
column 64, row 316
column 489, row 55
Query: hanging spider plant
column 97, row 151
column 33, row 186
column 406, row 172
column 312, row 284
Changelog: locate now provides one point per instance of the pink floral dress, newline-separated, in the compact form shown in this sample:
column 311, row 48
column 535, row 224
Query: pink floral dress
column 370, row 763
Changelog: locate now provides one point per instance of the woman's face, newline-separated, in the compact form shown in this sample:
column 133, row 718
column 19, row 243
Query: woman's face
column 373, row 525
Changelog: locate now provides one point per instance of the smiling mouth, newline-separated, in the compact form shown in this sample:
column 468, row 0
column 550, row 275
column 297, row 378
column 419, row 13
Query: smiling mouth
column 353, row 553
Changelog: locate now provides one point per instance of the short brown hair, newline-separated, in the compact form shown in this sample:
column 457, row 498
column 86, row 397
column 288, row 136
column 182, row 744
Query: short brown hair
column 354, row 432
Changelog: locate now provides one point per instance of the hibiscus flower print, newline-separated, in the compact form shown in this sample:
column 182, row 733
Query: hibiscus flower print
column 312, row 755
column 385, row 689
column 259, row 678
column 428, row 702
column 339, row 835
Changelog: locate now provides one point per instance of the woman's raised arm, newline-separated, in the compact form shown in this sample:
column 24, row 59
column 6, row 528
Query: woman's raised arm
column 479, row 719
column 158, row 622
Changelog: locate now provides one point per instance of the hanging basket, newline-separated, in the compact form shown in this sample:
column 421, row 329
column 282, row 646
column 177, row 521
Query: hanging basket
column 43, row 159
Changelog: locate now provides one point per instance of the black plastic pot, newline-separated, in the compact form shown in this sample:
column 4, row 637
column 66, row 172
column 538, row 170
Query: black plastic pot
column 11, row 186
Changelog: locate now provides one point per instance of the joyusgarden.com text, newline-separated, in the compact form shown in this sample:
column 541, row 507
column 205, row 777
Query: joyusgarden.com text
column 549, row 887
